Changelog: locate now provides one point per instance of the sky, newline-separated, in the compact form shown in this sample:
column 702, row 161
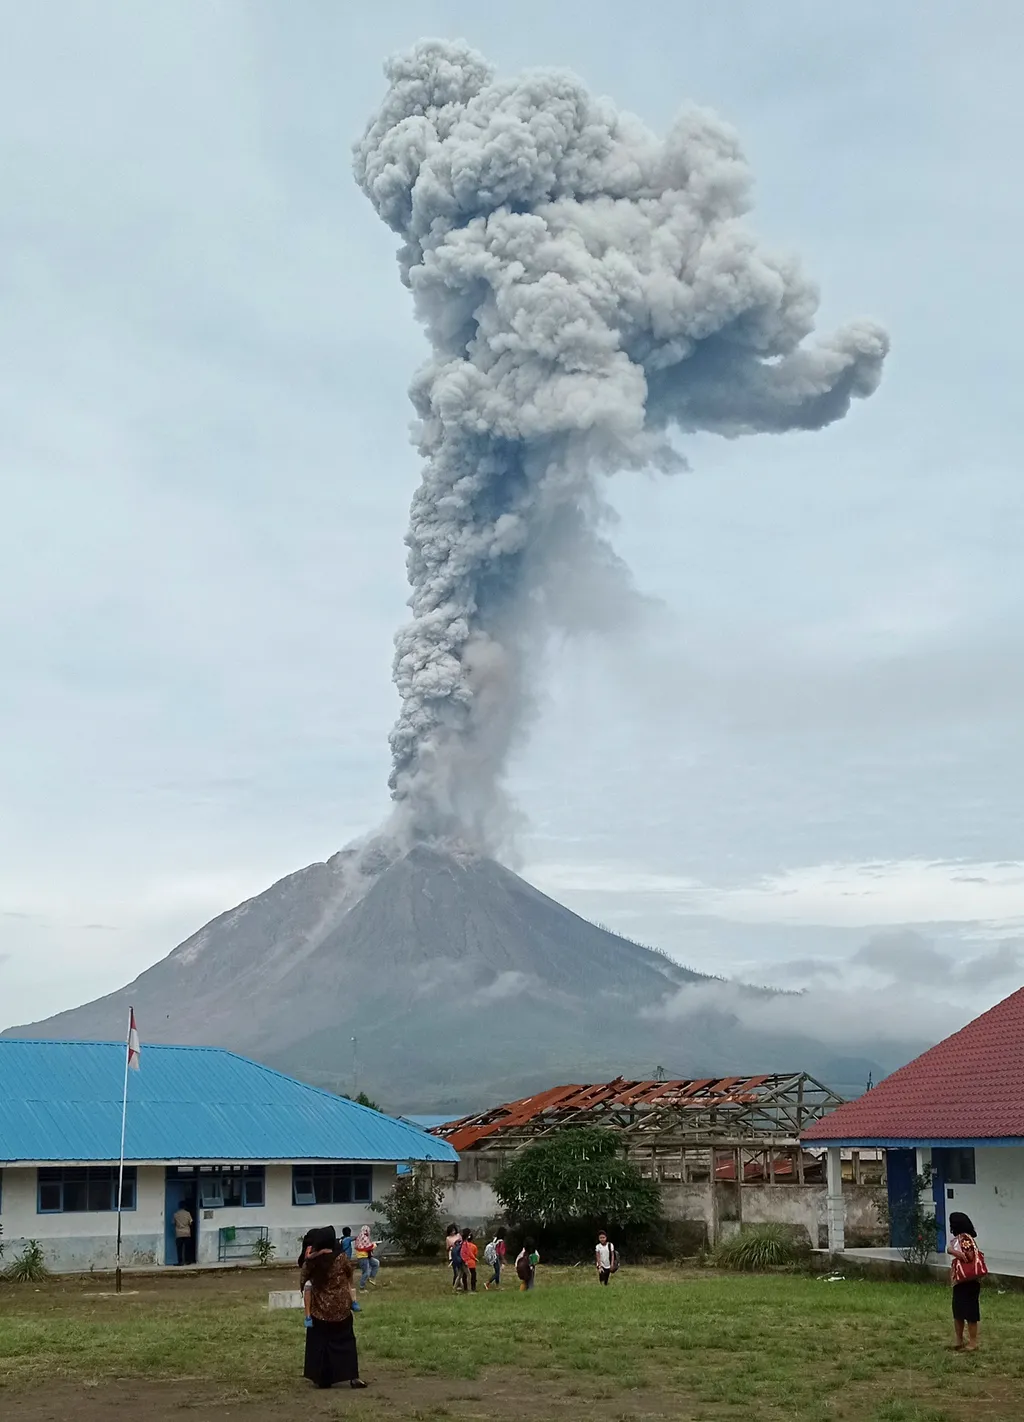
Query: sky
column 803, row 766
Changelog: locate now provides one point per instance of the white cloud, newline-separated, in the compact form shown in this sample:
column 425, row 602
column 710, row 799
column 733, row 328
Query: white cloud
column 844, row 1016
column 838, row 895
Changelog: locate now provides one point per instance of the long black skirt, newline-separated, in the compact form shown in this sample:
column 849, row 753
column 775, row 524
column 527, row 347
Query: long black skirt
column 967, row 1301
column 331, row 1352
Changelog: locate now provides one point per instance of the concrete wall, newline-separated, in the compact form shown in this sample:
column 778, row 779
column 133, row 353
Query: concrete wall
column 472, row 1204
column 995, row 1202
column 80, row 1242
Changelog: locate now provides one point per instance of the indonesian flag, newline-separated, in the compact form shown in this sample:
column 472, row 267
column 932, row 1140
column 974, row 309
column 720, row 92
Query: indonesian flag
column 134, row 1051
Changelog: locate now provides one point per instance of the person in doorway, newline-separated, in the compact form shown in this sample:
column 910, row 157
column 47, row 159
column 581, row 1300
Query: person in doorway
column 366, row 1253
column 494, row 1255
column 327, row 1298
column 604, row 1258
column 182, row 1220
column 526, row 1266
column 969, row 1268
column 469, row 1262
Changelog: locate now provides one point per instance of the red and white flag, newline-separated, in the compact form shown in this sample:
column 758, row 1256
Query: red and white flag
column 134, row 1050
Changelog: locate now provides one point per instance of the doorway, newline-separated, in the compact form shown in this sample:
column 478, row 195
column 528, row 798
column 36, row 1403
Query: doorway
column 177, row 1189
column 901, row 1177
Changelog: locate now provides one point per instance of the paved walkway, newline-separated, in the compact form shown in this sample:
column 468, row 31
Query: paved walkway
column 1009, row 1265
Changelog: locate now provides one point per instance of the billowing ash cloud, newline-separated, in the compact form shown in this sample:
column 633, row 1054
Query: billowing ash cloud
column 587, row 288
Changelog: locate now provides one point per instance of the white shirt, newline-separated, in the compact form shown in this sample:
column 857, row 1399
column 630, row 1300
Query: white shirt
column 604, row 1256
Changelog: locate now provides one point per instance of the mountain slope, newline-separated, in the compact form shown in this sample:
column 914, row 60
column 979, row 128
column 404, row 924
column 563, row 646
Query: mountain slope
column 460, row 981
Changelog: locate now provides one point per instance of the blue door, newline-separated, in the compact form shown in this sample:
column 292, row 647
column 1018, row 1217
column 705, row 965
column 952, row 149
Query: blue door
column 901, row 1179
column 179, row 1188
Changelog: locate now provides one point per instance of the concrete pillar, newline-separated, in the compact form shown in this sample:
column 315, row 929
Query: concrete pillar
column 835, row 1205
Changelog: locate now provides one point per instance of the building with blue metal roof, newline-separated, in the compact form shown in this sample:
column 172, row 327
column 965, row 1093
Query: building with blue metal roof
column 247, row 1153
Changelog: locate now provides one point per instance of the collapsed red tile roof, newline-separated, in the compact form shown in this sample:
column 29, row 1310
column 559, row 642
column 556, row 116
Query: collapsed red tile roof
column 968, row 1087
column 708, row 1091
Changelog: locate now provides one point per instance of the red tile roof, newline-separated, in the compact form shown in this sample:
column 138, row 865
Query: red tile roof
column 563, row 1101
column 969, row 1087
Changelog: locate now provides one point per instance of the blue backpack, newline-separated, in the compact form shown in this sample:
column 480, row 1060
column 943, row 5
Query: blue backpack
column 457, row 1253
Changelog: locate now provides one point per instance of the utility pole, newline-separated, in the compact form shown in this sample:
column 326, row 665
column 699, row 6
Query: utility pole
column 355, row 1067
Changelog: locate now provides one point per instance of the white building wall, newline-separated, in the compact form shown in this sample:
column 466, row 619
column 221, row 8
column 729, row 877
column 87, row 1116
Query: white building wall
column 995, row 1202
column 77, row 1243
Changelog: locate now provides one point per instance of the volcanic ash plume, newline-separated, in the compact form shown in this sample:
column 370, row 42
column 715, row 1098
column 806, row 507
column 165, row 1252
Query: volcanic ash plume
column 586, row 288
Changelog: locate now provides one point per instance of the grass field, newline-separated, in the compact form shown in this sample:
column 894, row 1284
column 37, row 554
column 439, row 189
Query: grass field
column 659, row 1343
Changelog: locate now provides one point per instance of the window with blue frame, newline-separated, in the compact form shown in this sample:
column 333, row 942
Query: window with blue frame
column 224, row 1187
column 83, row 1189
column 954, row 1165
column 332, row 1184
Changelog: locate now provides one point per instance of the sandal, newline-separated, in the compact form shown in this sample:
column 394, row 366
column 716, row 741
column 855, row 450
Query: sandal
column 357, row 1382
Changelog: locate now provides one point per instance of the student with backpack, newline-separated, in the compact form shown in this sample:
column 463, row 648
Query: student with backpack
column 526, row 1266
column 494, row 1255
column 458, row 1267
column 969, row 1268
column 454, row 1242
column 605, row 1258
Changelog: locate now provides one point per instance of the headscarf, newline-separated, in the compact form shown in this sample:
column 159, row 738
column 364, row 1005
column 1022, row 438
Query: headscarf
column 364, row 1240
column 323, row 1237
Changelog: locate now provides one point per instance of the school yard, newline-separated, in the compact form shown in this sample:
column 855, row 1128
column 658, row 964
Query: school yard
column 659, row 1343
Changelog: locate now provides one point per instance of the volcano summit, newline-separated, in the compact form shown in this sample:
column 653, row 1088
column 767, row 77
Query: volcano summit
column 462, row 982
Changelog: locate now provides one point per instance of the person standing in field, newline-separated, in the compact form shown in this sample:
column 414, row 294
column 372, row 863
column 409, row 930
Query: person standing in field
column 456, row 1258
column 327, row 1298
column 365, row 1251
column 470, row 1255
column 494, row 1255
column 969, row 1268
column 347, row 1245
column 451, row 1239
column 182, row 1221
column 604, row 1258
column 526, row 1266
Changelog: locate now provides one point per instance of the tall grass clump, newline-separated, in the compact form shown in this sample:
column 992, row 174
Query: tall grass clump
column 764, row 1246
column 30, row 1265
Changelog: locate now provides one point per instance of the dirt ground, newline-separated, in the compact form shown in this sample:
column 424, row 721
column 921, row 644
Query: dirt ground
column 192, row 1400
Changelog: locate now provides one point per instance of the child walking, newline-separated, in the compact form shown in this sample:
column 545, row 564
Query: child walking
column 604, row 1258
column 469, row 1258
column 526, row 1266
column 969, row 1268
column 494, row 1255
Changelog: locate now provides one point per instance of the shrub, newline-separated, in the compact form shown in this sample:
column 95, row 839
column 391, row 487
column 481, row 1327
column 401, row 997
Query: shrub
column 30, row 1265
column 764, row 1246
column 263, row 1251
column 412, row 1214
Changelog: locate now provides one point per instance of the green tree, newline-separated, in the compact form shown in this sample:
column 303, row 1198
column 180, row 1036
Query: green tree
column 412, row 1214
column 363, row 1100
column 572, row 1184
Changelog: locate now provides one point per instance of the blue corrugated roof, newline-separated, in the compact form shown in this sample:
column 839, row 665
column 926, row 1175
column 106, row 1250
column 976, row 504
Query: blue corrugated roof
column 62, row 1101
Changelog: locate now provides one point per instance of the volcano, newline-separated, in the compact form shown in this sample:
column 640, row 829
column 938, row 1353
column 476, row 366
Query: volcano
column 462, row 983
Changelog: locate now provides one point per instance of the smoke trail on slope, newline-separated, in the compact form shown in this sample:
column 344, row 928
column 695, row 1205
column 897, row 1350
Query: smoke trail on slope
column 586, row 287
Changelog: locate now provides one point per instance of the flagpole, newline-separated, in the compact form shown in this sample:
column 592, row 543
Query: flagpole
column 120, row 1172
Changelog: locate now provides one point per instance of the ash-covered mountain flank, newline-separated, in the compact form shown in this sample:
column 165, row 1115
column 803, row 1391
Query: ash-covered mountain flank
column 462, row 983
